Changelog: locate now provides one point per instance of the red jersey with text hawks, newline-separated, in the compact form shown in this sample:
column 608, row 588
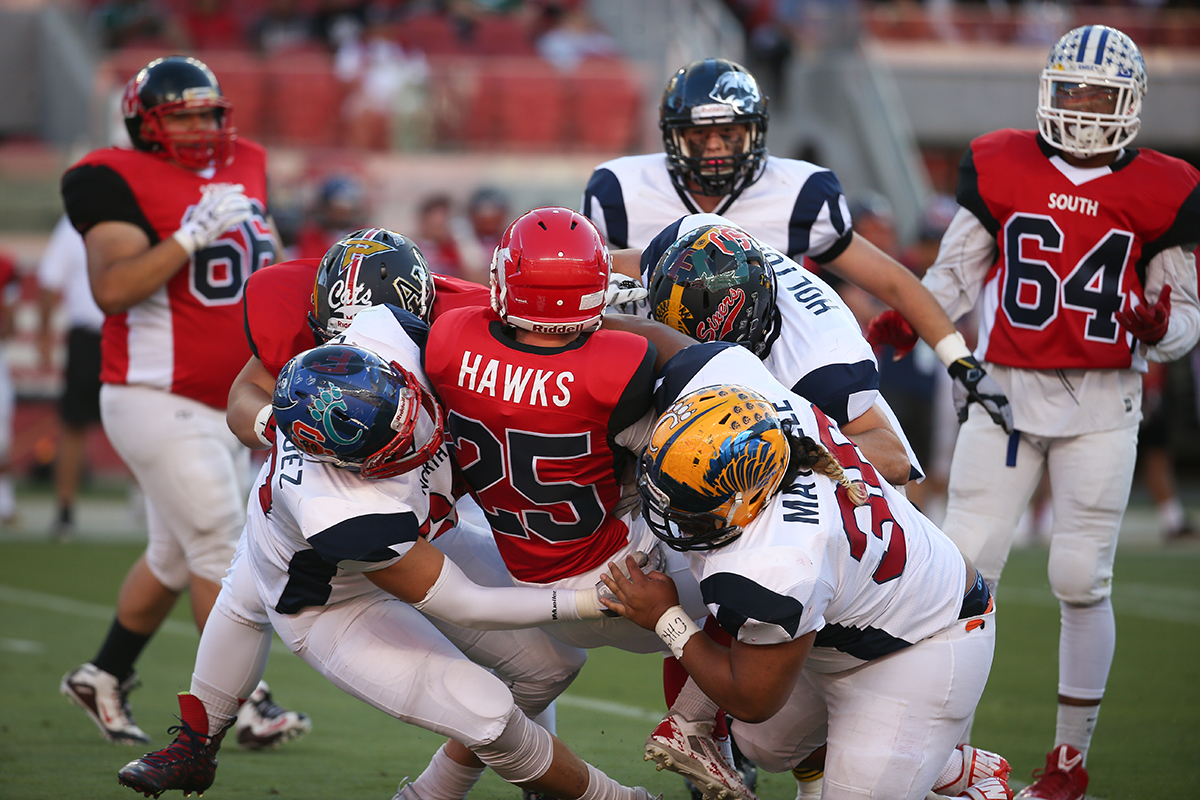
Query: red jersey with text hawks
column 1073, row 245
column 279, row 299
column 534, row 431
column 186, row 337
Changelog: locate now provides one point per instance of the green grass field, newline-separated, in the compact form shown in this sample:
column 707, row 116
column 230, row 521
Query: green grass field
column 56, row 601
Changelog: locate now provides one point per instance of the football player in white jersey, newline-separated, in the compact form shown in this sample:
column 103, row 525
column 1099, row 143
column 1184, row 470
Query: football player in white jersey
column 855, row 621
column 714, row 282
column 335, row 541
column 714, row 123
column 1078, row 248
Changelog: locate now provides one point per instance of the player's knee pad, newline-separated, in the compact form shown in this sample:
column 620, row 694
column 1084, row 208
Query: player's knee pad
column 532, row 695
column 523, row 752
column 1075, row 572
column 209, row 553
column 167, row 563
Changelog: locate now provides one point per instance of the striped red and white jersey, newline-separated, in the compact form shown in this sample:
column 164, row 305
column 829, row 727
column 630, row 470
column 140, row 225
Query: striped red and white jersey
column 187, row 337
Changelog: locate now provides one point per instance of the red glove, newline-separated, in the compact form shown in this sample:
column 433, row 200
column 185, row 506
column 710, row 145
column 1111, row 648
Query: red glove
column 1148, row 323
column 891, row 328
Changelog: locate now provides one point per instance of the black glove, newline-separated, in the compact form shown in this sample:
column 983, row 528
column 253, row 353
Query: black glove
column 972, row 384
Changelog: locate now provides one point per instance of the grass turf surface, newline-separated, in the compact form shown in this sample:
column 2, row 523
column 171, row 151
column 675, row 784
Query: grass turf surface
column 56, row 604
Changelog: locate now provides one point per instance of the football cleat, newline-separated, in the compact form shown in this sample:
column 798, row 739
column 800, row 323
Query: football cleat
column 1064, row 777
column 988, row 789
column 189, row 764
column 262, row 724
column 977, row 765
column 689, row 749
column 106, row 701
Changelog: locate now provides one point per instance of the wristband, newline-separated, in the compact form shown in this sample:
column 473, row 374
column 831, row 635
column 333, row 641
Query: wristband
column 674, row 627
column 261, row 421
column 186, row 240
column 951, row 348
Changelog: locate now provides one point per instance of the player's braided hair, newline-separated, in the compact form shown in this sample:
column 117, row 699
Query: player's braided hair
column 808, row 455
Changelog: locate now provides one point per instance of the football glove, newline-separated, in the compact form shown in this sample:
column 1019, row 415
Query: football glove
column 221, row 206
column 644, row 564
column 972, row 384
column 1148, row 323
column 891, row 328
column 623, row 293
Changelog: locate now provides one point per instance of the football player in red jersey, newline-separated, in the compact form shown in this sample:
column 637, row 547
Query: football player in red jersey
column 1080, row 246
column 546, row 410
column 173, row 228
column 289, row 308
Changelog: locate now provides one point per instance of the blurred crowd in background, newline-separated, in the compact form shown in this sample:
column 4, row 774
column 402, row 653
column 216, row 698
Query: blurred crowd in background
column 331, row 77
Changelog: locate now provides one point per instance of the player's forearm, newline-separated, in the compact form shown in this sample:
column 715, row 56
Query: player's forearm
column 122, row 274
column 455, row 598
column 751, row 683
column 248, row 396
column 1177, row 267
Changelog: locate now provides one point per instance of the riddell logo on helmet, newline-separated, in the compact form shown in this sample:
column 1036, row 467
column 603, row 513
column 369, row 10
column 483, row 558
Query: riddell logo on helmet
column 718, row 326
column 558, row 327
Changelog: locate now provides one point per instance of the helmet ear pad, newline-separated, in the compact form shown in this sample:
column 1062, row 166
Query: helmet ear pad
column 175, row 85
column 369, row 267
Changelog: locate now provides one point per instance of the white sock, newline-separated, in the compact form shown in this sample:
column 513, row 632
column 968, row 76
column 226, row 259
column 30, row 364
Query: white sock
column 952, row 773
column 809, row 790
column 1075, row 727
column 1170, row 515
column 602, row 787
column 1086, row 643
column 222, row 708
column 443, row 779
column 693, row 705
column 8, row 498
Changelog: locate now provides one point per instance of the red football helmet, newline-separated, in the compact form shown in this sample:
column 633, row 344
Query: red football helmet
column 169, row 86
column 550, row 272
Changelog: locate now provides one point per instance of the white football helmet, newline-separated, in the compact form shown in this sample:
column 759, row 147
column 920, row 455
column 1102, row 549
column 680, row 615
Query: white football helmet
column 1097, row 57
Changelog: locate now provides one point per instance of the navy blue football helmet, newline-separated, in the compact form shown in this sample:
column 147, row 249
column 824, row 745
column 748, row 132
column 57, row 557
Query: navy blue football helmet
column 348, row 406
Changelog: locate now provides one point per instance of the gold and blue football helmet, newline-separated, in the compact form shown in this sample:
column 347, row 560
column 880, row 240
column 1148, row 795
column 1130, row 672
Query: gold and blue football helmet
column 715, row 458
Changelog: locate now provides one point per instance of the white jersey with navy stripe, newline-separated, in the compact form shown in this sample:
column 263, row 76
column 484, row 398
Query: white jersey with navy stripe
column 313, row 529
column 871, row 579
column 796, row 207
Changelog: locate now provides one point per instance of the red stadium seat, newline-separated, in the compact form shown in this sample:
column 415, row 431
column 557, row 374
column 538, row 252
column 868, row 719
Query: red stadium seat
column 605, row 100
column 531, row 103
column 304, row 100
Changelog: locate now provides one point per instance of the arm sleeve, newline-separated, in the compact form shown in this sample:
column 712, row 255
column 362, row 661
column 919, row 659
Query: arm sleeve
column 1177, row 267
column 455, row 598
column 966, row 254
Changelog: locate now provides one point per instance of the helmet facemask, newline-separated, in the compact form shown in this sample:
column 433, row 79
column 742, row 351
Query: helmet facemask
column 1097, row 63
column 715, row 458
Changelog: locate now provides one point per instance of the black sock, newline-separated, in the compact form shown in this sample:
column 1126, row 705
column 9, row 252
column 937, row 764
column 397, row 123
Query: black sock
column 120, row 649
column 65, row 515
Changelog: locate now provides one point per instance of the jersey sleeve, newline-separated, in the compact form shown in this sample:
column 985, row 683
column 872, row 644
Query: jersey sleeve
column 638, row 396
column 1175, row 267
column 1184, row 231
column 94, row 193
column 359, row 542
column 842, row 391
column 968, row 195
column 604, row 205
column 767, row 599
column 819, row 226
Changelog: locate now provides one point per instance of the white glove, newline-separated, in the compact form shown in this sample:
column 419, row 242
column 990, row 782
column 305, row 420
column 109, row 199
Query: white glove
column 221, row 206
column 622, row 292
